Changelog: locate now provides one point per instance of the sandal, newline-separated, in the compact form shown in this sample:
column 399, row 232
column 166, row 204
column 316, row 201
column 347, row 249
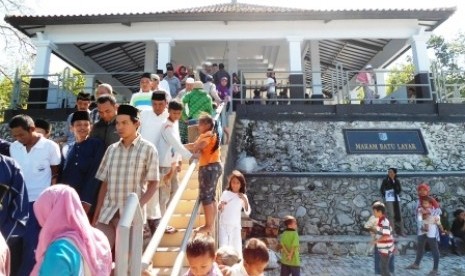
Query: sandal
column 433, row 273
column 413, row 266
column 170, row 230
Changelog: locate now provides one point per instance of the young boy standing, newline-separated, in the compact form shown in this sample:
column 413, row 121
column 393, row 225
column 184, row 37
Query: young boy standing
column 289, row 241
column 170, row 149
column 383, row 238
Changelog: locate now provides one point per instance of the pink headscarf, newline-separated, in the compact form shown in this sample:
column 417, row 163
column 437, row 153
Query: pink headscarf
column 425, row 186
column 59, row 211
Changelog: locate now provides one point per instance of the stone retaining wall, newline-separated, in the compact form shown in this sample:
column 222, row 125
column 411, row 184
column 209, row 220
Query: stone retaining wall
column 319, row 146
column 340, row 206
column 332, row 204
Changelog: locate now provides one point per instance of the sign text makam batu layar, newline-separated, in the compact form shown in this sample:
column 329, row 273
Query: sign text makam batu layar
column 384, row 141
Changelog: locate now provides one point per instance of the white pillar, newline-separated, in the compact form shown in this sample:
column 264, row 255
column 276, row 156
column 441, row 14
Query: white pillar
column 381, row 84
column 317, row 88
column 89, row 85
column 164, row 52
column 232, row 57
column 150, row 57
column 44, row 51
column 420, row 52
column 295, row 57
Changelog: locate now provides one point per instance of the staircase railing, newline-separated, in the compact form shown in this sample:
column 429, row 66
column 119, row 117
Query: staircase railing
column 155, row 241
column 178, row 263
column 158, row 235
column 129, row 239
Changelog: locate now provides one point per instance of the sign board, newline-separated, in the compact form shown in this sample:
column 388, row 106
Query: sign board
column 384, row 141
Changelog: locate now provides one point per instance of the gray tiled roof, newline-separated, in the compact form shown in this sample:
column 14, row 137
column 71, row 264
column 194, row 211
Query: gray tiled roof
column 234, row 11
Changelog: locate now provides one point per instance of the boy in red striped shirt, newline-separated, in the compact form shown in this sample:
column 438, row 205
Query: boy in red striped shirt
column 383, row 239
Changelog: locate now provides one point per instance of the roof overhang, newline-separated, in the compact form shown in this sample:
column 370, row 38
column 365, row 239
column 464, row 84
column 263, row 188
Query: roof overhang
column 350, row 37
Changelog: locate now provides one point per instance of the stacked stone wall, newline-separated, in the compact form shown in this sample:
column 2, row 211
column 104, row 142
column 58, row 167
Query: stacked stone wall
column 337, row 200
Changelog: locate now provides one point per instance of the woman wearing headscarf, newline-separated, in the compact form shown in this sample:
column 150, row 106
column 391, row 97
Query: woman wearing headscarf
column 390, row 191
column 431, row 236
column 68, row 244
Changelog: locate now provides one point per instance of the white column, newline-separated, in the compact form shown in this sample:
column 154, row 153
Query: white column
column 164, row 52
column 381, row 84
column 150, row 57
column 317, row 88
column 44, row 51
column 295, row 57
column 89, row 85
column 232, row 57
column 420, row 52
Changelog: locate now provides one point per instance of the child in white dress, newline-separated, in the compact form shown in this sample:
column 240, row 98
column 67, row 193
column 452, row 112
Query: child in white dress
column 232, row 201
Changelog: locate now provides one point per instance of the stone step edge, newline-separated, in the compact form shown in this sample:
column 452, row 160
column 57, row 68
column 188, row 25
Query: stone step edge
column 349, row 238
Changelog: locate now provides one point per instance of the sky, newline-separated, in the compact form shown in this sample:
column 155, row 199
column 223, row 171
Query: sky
column 449, row 29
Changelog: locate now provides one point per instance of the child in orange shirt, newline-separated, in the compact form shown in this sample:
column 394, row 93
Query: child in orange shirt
column 210, row 169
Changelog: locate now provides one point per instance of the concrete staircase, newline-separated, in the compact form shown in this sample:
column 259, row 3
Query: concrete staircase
column 168, row 249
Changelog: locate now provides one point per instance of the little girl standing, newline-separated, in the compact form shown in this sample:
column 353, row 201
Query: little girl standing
column 232, row 201
column 210, row 169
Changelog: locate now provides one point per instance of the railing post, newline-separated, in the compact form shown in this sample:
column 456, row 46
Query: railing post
column 129, row 239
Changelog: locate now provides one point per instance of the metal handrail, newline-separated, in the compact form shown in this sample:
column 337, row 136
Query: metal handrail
column 182, row 248
column 129, row 244
column 156, row 239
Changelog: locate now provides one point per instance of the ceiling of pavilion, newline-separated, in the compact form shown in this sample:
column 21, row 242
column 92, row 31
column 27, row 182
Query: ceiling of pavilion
column 252, row 56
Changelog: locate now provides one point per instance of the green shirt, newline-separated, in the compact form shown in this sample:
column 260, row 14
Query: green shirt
column 290, row 239
column 197, row 101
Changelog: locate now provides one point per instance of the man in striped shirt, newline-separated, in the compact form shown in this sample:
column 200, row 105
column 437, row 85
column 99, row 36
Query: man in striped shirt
column 129, row 166
column 383, row 238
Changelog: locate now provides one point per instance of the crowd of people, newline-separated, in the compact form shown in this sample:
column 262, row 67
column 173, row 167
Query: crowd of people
column 62, row 199
column 115, row 149
column 432, row 226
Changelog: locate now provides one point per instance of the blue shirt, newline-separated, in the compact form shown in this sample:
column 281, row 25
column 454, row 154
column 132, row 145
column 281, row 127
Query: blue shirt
column 62, row 258
column 14, row 199
column 80, row 166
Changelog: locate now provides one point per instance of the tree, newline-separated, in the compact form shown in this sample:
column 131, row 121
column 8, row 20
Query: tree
column 447, row 67
column 74, row 81
column 17, row 48
column 400, row 75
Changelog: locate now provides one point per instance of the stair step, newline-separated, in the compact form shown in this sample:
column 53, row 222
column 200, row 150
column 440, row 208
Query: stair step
column 165, row 271
column 172, row 240
column 358, row 245
column 165, row 257
column 190, row 194
column 181, row 220
column 186, row 206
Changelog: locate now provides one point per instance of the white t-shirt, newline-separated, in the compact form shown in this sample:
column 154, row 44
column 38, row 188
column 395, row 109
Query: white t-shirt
column 150, row 125
column 231, row 213
column 165, row 86
column 270, row 84
column 169, row 145
column 239, row 270
column 35, row 164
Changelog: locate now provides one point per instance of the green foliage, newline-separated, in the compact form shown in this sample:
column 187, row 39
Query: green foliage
column 8, row 88
column 75, row 82
column 400, row 75
column 449, row 64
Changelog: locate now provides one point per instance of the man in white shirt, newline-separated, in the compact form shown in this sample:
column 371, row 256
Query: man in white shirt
column 150, row 129
column 163, row 84
column 38, row 159
column 170, row 151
